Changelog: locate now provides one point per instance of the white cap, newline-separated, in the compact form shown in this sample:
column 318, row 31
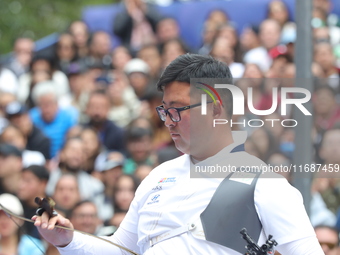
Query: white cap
column 11, row 203
column 136, row 65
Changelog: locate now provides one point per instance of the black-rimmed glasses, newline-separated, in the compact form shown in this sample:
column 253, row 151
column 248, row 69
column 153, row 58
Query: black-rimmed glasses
column 174, row 112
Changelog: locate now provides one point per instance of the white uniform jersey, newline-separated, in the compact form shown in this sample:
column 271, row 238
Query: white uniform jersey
column 169, row 198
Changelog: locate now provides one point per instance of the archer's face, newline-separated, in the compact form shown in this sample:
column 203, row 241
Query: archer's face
column 188, row 133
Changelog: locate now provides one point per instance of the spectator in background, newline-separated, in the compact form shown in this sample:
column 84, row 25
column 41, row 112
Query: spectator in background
column 13, row 135
column 139, row 147
column 110, row 135
column 12, row 241
column 84, row 217
column 52, row 120
column 99, row 50
column 81, row 35
column 41, row 65
column 136, row 24
column 150, row 54
column 171, row 50
column 113, row 168
column 137, row 72
column 66, row 193
column 328, row 238
column 229, row 32
column 32, row 184
column 223, row 51
column 218, row 17
column 22, row 56
column 65, row 52
column 10, row 170
column 167, row 29
column 18, row 116
column 8, row 81
column 125, row 105
column 72, row 159
column 123, row 195
column 120, row 57
column 93, row 149
column 328, row 182
column 277, row 10
column 142, row 171
column 254, row 52
column 323, row 55
column 270, row 34
column 326, row 110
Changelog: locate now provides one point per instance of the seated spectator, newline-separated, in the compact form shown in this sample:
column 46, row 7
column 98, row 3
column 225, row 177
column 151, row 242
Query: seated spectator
column 120, row 57
column 125, row 105
column 223, row 51
column 328, row 238
column 84, row 217
column 136, row 24
column 32, row 184
column 10, row 170
column 143, row 171
column 66, row 193
column 123, row 196
column 171, row 50
column 99, row 50
column 167, row 28
column 151, row 55
column 93, row 148
column 52, row 120
column 12, row 241
column 324, row 56
column 137, row 72
column 13, row 135
column 326, row 110
column 22, row 56
column 110, row 135
column 65, row 52
column 139, row 147
column 8, row 81
column 80, row 32
column 40, row 65
column 72, row 159
column 17, row 114
column 254, row 52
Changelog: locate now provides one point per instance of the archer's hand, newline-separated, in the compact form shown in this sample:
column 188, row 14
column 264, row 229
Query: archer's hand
column 56, row 236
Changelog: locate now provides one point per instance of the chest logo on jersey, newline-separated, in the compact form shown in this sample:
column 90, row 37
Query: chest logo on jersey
column 154, row 199
column 167, row 180
column 158, row 187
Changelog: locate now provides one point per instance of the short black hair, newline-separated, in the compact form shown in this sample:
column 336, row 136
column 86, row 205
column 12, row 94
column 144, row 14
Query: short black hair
column 188, row 66
column 40, row 172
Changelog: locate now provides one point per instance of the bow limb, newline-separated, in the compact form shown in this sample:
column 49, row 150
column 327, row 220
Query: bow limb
column 11, row 214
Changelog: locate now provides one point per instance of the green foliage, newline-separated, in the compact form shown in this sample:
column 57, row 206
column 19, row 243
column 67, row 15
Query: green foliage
column 38, row 18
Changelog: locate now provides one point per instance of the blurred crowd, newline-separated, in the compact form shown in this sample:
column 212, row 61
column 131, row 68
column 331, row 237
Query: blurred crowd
column 78, row 120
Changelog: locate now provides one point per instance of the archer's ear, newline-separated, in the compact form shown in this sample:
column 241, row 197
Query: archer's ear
column 217, row 108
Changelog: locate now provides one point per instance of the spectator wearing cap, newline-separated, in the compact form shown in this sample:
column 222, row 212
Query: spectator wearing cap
column 13, row 135
column 49, row 117
column 112, row 169
column 18, row 116
column 12, row 241
column 137, row 72
column 32, row 184
column 110, row 135
column 11, row 166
